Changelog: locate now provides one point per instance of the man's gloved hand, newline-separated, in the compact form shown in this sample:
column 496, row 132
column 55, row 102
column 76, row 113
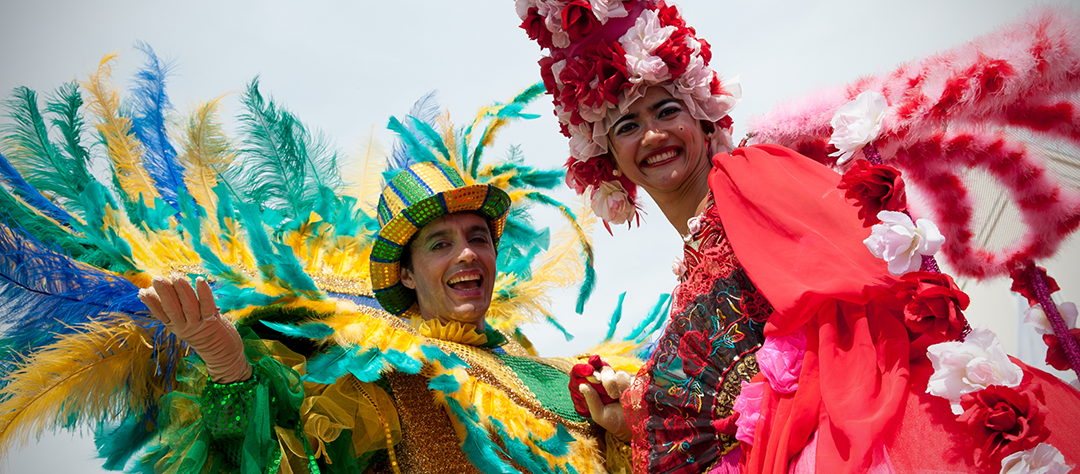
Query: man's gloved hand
column 193, row 316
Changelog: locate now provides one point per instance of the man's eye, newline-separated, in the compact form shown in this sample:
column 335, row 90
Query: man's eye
column 439, row 245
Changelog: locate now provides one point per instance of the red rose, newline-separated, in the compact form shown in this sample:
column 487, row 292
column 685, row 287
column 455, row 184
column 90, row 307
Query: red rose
column 1055, row 354
column 669, row 16
column 547, row 75
column 876, row 188
column 583, row 374
column 580, row 174
column 706, row 50
column 675, row 53
column 565, row 131
column 1003, row 421
column 534, row 26
column 933, row 304
column 578, row 20
column 1021, row 277
column 693, row 347
column 593, row 78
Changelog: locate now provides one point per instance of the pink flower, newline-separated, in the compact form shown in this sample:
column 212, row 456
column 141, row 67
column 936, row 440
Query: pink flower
column 611, row 202
column 748, row 406
column 604, row 9
column 780, row 360
column 678, row 267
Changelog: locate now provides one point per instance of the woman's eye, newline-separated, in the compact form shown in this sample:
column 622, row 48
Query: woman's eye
column 667, row 111
column 625, row 128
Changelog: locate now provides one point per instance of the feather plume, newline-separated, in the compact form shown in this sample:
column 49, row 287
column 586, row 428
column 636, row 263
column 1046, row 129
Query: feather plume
column 281, row 164
column 29, row 194
column 425, row 109
column 639, row 333
column 204, row 155
column 101, row 371
column 583, row 228
column 42, row 227
column 124, row 149
column 149, row 107
column 45, row 293
column 616, row 316
column 64, row 105
column 362, row 172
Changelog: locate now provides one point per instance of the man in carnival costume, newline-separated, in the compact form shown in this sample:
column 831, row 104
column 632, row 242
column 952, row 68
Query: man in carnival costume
column 791, row 347
column 433, row 264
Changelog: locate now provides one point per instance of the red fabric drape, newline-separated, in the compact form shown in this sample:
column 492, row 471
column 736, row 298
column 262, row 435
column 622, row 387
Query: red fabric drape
column 801, row 244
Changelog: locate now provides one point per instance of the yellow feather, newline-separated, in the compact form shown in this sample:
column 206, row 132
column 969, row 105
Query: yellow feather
column 450, row 140
column 101, row 372
column 124, row 149
column 362, row 172
column 205, row 153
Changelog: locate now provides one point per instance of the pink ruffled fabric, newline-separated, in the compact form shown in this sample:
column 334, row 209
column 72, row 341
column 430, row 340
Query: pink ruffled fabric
column 729, row 464
column 748, row 406
column 780, row 360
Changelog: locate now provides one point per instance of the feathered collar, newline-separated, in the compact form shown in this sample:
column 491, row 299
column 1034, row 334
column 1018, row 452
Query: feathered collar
column 461, row 333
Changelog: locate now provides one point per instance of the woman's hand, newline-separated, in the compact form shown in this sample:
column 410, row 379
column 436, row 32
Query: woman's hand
column 610, row 416
column 193, row 316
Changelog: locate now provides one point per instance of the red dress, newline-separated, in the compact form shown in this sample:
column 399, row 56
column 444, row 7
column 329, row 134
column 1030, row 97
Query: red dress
column 862, row 382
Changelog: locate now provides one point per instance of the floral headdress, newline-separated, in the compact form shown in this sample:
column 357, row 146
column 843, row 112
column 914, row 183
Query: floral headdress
column 602, row 55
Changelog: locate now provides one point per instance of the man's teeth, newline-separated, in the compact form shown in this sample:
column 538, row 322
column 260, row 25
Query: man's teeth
column 459, row 279
column 661, row 157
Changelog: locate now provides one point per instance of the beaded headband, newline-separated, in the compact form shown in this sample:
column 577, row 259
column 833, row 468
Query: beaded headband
column 602, row 55
column 416, row 196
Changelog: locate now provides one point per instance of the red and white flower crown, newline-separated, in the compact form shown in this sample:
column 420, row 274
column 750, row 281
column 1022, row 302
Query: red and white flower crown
column 602, row 55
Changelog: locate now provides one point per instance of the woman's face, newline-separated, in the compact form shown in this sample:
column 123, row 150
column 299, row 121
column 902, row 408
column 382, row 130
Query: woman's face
column 657, row 144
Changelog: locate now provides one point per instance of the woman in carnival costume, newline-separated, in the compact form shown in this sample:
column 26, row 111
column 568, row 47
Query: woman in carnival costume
column 323, row 378
column 811, row 330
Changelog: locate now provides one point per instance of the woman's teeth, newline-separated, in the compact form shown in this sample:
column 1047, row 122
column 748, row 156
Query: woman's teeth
column 667, row 155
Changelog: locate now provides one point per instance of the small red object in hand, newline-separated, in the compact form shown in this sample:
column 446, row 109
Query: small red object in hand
column 588, row 374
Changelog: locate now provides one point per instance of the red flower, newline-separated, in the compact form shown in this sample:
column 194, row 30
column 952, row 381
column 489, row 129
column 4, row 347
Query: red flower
column 1003, row 421
column 669, row 16
column 1021, row 277
column 675, row 53
column 593, row 78
column 933, row 304
column 876, row 188
column 583, row 374
column 580, row 174
column 547, row 75
column 706, row 50
column 1055, row 354
column 533, row 24
column 716, row 87
column 578, row 20
column 693, row 347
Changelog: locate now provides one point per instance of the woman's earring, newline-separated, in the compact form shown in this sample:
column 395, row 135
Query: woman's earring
column 617, row 173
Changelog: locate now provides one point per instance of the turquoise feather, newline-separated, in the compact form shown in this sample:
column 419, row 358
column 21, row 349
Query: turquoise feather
column 316, row 331
column 649, row 319
column 615, row 317
column 403, row 362
column 445, row 383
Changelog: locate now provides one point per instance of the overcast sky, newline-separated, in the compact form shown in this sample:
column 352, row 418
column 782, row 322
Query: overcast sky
column 344, row 67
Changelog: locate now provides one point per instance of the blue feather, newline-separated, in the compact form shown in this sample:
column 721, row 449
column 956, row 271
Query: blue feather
column 615, row 317
column 478, row 446
column 149, row 106
column 416, row 151
column 317, row 331
column 426, row 110
column 649, row 319
column 403, row 362
column 47, row 294
column 444, row 383
column 448, row 360
column 30, row 194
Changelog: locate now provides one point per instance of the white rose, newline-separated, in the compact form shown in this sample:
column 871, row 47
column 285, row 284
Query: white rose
column 646, row 35
column 857, row 123
column 678, row 267
column 901, row 242
column 1036, row 317
column 611, row 202
column 522, row 7
column 1042, row 459
column 604, row 9
column 965, row 367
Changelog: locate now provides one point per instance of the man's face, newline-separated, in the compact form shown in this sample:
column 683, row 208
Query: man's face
column 453, row 269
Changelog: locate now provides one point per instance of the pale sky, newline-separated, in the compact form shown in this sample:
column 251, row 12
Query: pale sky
column 345, row 67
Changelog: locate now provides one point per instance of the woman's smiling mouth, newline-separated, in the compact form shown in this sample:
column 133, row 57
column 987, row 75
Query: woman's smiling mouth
column 661, row 157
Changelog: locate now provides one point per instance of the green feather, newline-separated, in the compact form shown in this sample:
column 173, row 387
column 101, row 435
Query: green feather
column 281, row 164
column 40, row 161
column 615, row 317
